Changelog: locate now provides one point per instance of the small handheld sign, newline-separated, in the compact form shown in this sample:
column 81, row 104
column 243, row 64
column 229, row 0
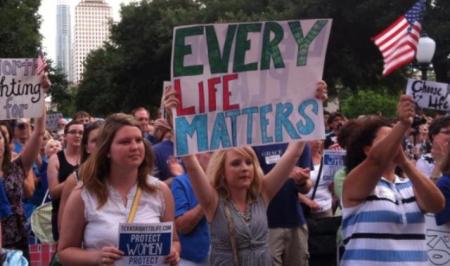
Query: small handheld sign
column 429, row 94
column 145, row 244
column 333, row 160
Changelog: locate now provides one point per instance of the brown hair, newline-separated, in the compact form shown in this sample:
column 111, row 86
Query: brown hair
column 445, row 167
column 216, row 172
column 95, row 171
column 6, row 164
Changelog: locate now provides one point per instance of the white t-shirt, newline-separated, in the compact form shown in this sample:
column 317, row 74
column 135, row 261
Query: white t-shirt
column 323, row 195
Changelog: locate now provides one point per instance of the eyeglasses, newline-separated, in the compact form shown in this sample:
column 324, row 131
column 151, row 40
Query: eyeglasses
column 75, row 132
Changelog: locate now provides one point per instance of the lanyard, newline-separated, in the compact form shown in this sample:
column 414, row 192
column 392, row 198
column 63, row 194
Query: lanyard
column 134, row 206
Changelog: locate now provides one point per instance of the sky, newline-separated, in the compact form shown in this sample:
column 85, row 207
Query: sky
column 48, row 24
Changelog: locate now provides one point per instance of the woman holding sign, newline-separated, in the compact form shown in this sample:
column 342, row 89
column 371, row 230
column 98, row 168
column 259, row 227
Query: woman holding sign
column 117, row 188
column 236, row 199
column 383, row 214
column 14, row 174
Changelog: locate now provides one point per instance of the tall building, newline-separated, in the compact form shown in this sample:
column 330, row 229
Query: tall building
column 92, row 20
column 63, row 38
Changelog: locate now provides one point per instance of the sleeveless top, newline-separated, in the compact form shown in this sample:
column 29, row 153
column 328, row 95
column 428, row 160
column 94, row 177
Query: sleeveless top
column 251, row 238
column 102, row 225
column 65, row 169
column 388, row 228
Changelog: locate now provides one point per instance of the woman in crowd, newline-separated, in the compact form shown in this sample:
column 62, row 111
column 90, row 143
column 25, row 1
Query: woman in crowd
column 88, row 146
column 14, row 173
column 61, row 165
column 111, row 178
column 236, row 199
column 383, row 215
column 321, row 205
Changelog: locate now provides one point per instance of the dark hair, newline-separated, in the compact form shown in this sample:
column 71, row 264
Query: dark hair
column 437, row 125
column 345, row 132
column 9, row 129
column 88, row 128
column 80, row 114
column 71, row 123
column 364, row 132
column 333, row 116
column 95, row 171
column 6, row 164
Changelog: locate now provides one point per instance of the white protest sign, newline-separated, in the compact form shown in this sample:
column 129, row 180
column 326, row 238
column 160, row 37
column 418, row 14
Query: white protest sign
column 333, row 160
column 52, row 120
column 437, row 242
column 429, row 94
column 145, row 244
column 247, row 83
column 20, row 89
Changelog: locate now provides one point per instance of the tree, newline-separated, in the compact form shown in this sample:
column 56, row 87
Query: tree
column 60, row 91
column 19, row 30
column 366, row 102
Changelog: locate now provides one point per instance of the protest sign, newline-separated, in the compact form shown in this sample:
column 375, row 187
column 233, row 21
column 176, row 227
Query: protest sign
column 333, row 160
column 145, row 244
column 438, row 241
column 20, row 89
column 247, row 83
column 52, row 120
column 429, row 94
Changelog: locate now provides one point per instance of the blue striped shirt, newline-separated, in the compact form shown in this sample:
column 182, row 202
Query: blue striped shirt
column 388, row 228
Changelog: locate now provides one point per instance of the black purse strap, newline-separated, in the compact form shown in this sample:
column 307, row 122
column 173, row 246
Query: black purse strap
column 317, row 179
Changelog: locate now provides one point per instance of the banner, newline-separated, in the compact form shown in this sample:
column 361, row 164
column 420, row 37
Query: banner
column 429, row 94
column 333, row 160
column 247, row 83
column 20, row 89
column 145, row 244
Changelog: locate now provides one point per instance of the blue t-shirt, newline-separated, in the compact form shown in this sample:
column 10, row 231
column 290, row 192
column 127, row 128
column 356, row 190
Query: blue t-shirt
column 195, row 245
column 5, row 208
column 443, row 184
column 284, row 210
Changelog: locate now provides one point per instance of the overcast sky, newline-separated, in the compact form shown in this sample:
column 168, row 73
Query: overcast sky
column 48, row 25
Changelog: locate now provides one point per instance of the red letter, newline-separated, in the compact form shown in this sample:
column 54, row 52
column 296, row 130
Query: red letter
column 227, row 93
column 180, row 110
column 212, row 93
column 201, row 98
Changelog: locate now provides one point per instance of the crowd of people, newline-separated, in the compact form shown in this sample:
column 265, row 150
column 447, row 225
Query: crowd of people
column 239, row 206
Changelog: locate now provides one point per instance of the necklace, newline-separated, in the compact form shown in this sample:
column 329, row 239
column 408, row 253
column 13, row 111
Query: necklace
column 246, row 215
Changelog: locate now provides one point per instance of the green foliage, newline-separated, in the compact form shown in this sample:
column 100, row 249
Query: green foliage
column 366, row 102
column 19, row 30
column 130, row 70
column 62, row 96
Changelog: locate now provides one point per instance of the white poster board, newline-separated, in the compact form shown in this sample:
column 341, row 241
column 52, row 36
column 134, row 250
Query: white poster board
column 247, row 83
column 437, row 242
column 429, row 94
column 21, row 95
column 144, row 244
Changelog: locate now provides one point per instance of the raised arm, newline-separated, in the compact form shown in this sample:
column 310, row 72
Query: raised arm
column 361, row 180
column 275, row 179
column 206, row 195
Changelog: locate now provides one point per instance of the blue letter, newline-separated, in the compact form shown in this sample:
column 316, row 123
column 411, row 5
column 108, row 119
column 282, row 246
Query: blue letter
column 233, row 114
column 199, row 124
column 220, row 133
column 264, row 122
column 249, row 111
column 282, row 113
column 307, row 127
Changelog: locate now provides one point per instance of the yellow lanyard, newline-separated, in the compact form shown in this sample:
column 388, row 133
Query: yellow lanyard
column 134, row 206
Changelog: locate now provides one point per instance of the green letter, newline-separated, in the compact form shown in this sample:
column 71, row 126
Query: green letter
column 242, row 45
column 181, row 49
column 270, row 47
column 304, row 42
column 219, row 62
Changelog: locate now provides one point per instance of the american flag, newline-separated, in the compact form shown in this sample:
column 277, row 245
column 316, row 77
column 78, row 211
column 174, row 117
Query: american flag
column 41, row 63
column 398, row 43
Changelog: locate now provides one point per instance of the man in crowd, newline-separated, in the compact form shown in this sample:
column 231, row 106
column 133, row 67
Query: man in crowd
column 334, row 122
column 142, row 115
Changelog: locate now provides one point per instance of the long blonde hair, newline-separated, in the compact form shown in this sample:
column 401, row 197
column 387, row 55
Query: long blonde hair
column 95, row 171
column 216, row 172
